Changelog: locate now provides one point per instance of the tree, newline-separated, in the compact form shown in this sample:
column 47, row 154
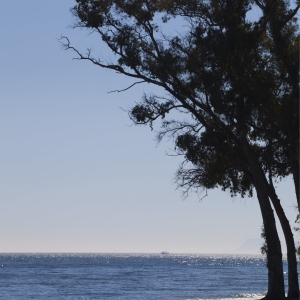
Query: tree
column 234, row 80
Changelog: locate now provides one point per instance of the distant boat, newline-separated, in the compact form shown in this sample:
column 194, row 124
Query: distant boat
column 165, row 252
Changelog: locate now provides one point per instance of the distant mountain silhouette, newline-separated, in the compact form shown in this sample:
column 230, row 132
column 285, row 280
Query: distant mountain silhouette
column 252, row 246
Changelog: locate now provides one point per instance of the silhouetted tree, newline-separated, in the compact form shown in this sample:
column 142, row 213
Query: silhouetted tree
column 235, row 83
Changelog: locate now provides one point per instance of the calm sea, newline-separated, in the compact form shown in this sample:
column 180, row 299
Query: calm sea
column 132, row 276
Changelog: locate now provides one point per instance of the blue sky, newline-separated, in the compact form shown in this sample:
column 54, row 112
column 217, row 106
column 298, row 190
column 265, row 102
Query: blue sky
column 75, row 175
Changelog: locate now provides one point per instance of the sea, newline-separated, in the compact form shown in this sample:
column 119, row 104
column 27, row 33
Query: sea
column 133, row 276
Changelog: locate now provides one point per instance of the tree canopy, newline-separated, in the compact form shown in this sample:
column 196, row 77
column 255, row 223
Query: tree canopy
column 224, row 68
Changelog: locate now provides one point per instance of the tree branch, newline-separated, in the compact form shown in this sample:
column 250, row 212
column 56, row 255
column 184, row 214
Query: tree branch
column 123, row 90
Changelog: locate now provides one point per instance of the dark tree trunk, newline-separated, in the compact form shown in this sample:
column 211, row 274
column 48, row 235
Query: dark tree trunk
column 274, row 254
column 293, row 283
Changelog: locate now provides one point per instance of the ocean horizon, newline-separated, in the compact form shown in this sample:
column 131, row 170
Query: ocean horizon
column 141, row 276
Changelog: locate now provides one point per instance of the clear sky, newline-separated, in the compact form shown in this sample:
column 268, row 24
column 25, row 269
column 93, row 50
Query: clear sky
column 75, row 176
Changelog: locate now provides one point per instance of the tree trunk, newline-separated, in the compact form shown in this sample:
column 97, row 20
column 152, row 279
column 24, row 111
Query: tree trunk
column 293, row 290
column 274, row 255
column 293, row 284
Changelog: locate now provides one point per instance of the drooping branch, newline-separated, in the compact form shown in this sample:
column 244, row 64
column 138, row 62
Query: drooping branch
column 123, row 90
